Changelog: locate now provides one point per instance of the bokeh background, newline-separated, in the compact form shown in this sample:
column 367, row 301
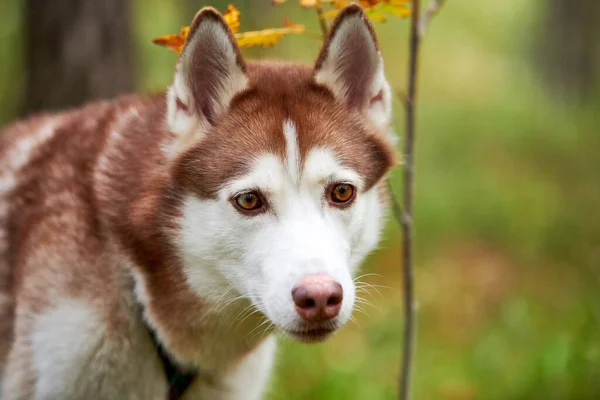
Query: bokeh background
column 507, row 183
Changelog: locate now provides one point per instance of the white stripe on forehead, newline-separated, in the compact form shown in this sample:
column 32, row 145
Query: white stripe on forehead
column 292, row 151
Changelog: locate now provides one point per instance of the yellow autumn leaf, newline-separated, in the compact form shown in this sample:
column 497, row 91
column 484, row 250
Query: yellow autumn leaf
column 401, row 11
column 375, row 10
column 232, row 17
column 176, row 42
column 265, row 37
column 341, row 3
column 173, row 42
column 309, row 3
column 375, row 15
column 268, row 37
column 371, row 3
column 331, row 14
column 304, row 3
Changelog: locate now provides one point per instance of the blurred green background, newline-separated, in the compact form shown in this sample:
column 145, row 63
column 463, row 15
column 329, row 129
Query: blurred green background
column 507, row 199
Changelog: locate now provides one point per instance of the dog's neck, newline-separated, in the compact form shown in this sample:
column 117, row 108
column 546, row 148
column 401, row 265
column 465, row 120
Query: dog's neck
column 197, row 334
column 138, row 205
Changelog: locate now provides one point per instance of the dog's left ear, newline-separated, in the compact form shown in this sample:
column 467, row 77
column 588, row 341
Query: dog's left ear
column 351, row 66
column 209, row 73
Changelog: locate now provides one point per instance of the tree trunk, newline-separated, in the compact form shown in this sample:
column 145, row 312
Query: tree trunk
column 570, row 47
column 76, row 50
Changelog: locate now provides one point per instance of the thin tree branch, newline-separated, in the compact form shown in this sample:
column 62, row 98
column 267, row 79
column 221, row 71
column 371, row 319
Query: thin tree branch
column 407, row 209
column 322, row 22
column 418, row 25
column 314, row 35
column 431, row 11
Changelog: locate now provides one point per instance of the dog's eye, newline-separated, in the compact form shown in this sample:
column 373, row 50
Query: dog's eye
column 342, row 194
column 249, row 201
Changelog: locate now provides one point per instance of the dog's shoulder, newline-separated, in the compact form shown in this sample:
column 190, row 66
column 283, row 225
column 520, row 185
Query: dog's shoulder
column 49, row 216
column 57, row 260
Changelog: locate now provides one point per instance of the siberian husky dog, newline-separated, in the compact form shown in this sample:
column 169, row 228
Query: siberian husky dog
column 181, row 231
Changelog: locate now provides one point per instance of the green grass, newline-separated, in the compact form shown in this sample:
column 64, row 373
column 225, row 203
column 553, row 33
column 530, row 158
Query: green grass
column 507, row 192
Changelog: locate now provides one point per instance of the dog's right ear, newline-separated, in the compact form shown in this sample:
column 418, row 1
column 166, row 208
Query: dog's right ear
column 209, row 72
column 351, row 66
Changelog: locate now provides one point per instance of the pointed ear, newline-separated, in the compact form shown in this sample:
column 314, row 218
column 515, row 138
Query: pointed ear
column 351, row 66
column 209, row 72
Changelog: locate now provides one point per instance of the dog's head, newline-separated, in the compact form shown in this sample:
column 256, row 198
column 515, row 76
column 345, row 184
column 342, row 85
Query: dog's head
column 281, row 165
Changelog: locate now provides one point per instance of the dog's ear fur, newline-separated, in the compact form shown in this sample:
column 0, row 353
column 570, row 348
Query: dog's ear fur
column 209, row 73
column 351, row 66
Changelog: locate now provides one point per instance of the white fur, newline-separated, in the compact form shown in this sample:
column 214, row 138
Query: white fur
column 10, row 165
column 380, row 112
column 229, row 259
column 246, row 381
column 180, row 122
column 74, row 358
column 263, row 257
column 292, row 150
column 61, row 343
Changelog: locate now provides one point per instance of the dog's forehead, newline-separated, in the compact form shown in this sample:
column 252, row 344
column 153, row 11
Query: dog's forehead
column 285, row 114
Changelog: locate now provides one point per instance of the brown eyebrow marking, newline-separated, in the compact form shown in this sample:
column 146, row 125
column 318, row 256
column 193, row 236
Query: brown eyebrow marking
column 254, row 123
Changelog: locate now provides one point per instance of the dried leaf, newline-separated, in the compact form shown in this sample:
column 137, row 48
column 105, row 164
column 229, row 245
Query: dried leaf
column 331, row 14
column 400, row 10
column 308, row 3
column 375, row 10
column 288, row 22
column 375, row 3
column 369, row 3
column 232, row 17
column 173, row 42
column 176, row 42
column 268, row 37
column 341, row 3
column 375, row 15
column 265, row 37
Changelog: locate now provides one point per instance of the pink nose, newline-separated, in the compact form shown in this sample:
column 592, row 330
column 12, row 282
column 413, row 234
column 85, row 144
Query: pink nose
column 318, row 298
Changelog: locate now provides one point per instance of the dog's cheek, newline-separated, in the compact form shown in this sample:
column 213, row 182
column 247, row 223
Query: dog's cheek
column 365, row 229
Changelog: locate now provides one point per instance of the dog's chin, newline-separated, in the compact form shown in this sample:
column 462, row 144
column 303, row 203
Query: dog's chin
column 308, row 334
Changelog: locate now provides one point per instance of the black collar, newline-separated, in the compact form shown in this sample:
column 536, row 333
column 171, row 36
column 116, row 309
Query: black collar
column 178, row 379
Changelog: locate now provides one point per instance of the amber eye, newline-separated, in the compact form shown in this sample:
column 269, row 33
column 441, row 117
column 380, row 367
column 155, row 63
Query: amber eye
column 249, row 201
column 342, row 193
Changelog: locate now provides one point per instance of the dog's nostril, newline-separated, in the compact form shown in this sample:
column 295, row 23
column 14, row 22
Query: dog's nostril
column 336, row 296
column 334, row 300
column 318, row 298
column 302, row 298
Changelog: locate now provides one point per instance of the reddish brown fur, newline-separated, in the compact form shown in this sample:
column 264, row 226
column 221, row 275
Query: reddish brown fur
column 89, row 199
column 95, row 196
column 276, row 93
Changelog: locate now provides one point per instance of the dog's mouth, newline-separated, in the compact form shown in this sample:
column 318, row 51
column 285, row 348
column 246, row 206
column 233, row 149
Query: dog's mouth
column 311, row 335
